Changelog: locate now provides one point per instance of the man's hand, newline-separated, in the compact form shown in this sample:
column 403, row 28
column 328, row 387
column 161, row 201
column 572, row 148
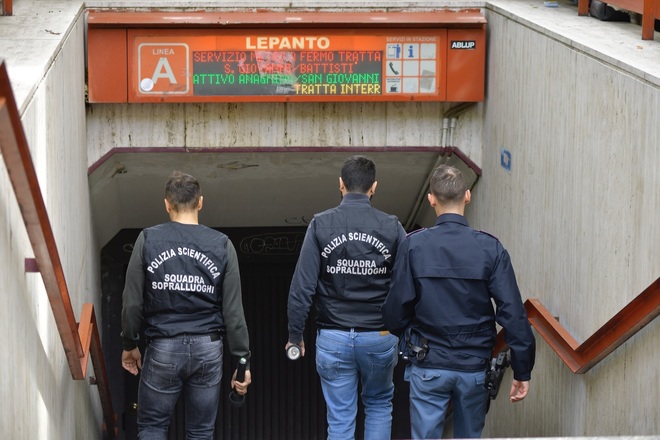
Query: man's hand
column 241, row 387
column 519, row 390
column 301, row 345
column 131, row 361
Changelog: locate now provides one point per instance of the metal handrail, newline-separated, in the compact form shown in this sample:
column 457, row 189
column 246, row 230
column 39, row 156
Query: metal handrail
column 7, row 8
column 80, row 340
column 580, row 358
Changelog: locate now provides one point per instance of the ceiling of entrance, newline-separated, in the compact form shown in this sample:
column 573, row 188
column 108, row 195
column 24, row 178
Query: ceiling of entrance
column 257, row 188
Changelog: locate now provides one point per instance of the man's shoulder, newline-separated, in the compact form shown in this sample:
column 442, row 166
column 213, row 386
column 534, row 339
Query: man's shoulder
column 385, row 215
column 354, row 209
column 416, row 233
column 327, row 212
column 213, row 233
column 486, row 235
column 349, row 213
column 158, row 226
column 155, row 229
column 489, row 242
column 197, row 230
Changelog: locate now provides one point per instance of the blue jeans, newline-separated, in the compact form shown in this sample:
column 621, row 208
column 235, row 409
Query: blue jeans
column 189, row 364
column 343, row 357
column 431, row 390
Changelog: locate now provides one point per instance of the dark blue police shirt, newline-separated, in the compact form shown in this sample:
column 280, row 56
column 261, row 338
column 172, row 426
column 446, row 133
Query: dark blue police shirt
column 444, row 282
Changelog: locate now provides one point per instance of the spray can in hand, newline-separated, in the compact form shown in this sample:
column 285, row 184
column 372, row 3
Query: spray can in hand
column 293, row 352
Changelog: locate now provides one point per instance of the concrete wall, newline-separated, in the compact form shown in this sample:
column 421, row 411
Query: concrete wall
column 359, row 124
column 40, row 399
column 579, row 214
column 255, row 125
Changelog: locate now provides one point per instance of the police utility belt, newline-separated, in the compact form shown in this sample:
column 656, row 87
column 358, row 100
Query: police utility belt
column 420, row 348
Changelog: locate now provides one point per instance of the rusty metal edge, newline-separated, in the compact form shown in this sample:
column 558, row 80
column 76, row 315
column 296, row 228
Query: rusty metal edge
column 16, row 154
column 7, row 7
column 581, row 358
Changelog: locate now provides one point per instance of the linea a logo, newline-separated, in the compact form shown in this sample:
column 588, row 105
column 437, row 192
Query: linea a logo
column 467, row 45
column 163, row 68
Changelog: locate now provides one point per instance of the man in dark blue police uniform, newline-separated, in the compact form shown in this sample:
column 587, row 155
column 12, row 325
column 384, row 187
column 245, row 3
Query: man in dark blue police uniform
column 345, row 264
column 444, row 280
column 182, row 284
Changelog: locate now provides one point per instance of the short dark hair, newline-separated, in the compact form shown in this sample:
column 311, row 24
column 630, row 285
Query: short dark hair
column 358, row 174
column 182, row 191
column 448, row 185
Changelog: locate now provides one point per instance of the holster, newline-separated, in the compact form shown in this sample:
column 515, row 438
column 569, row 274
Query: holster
column 495, row 373
column 413, row 345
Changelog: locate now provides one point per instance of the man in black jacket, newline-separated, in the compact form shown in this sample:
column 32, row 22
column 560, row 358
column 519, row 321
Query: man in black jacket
column 444, row 280
column 345, row 264
column 183, row 284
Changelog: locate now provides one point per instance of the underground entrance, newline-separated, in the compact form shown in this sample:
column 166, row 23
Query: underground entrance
column 262, row 199
column 285, row 399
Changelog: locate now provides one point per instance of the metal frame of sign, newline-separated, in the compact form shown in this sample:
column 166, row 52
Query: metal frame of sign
column 279, row 57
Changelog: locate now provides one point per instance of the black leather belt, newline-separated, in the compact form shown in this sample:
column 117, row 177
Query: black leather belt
column 215, row 336
column 355, row 329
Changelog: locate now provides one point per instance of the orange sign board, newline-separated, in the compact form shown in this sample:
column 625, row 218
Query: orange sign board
column 274, row 65
column 232, row 56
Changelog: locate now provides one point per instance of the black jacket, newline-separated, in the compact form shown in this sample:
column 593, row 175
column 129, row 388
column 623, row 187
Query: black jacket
column 183, row 278
column 346, row 261
column 444, row 280
column 184, row 269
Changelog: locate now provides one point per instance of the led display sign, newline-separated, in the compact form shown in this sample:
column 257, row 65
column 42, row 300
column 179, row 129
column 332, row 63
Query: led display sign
column 339, row 65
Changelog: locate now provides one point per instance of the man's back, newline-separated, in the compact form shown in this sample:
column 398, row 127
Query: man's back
column 185, row 266
column 356, row 244
column 445, row 279
column 452, row 264
column 345, row 265
column 183, row 287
